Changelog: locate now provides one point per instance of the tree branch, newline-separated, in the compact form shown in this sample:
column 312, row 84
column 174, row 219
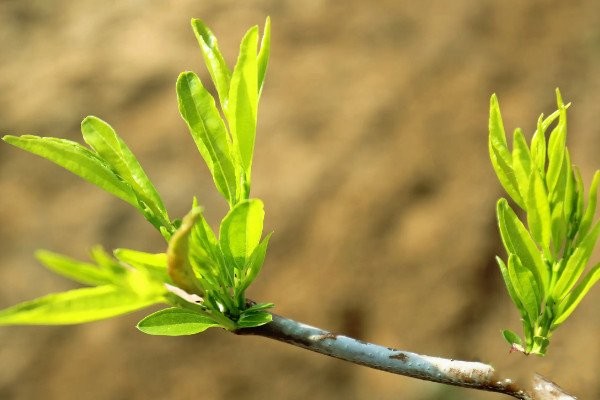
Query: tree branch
column 474, row 375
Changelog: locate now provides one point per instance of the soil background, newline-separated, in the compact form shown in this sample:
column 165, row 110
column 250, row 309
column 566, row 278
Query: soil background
column 371, row 157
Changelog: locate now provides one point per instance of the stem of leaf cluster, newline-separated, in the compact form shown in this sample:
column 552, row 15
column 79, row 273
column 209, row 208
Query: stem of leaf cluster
column 474, row 375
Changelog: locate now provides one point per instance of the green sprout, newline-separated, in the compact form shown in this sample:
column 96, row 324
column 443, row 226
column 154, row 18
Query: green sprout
column 202, row 276
column 547, row 256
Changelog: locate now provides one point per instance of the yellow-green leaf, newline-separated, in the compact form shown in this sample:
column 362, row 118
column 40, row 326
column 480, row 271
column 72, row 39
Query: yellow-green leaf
column 86, row 273
column 518, row 241
column 241, row 230
column 179, row 267
column 525, row 287
column 243, row 101
column 74, row 157
column 175, row 322
column 217, row 67
column 101, row 137
column 539, row 218
column 75, row 307
column 590, row 211
column 263, row 54
column 521, row 162
column 570, row 302
column 198, row 109
column 500, row 155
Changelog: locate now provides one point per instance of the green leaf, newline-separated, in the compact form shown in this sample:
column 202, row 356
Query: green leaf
column 263, row 54
column 521, row 162
column 559, row 231
column 253, row 318
column 517, row 241
column 255, row 264
column 243, row 102
column 514, row 340
column 559, row 224
column 538, row 146
column 79, row 160
column 218, row 69
column 550, row 119
column 135, row 257
column 590, row 211
column 260, row 307
column 175, row 322
column 556, row 148
column 75, row 307
column 205, row 240
column 569, row 303
column 576, row 263
column 104, row 140
column 155, row 265
column 106, row 262
column 197, row 107
column 562, row 204
column 510, row 287
column 241, row 230
column 525, row 287
column 179, row 267
column 540, row 345
column 580, row 194
column 528, row 331
column 570, row 200
column 86, row 273
column 499, row 154
column 539, row 218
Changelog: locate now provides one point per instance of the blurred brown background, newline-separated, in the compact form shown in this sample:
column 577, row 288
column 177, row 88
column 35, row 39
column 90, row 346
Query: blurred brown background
column 371, row 158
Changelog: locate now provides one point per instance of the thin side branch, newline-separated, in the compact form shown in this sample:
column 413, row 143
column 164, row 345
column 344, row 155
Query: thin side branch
column 474, row 375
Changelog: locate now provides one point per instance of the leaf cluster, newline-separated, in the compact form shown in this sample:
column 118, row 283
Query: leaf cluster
column 545, row 271
column 202, row 276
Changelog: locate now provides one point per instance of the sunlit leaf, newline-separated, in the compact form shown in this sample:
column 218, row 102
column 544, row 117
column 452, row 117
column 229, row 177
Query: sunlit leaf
column 590, row 211
column 539, row 218
column 556, row 148
column 570, row 199
column 153, row 264
column 179, row 267
column 217, row 67
column 538, row 146
column 570, row 303
column 105, row 261
column 263, row 54
column 510, row 287
column 518, row 241
column 86, row 273
column 500, row 155
column 241, row 230
column 197, row 107
column 260, row 307
column 175, row 322
column 514, row 340
column 104, row 140
column 205, row 239
column 525, row 287
column 79, row 160
column 243, row 101
column 135, row 257
column 250, row 319
column 75, row 307
column 576, row 263
column 521, row 162
column 254, row 265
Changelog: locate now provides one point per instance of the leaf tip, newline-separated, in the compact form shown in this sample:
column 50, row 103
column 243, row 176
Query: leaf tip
column 501, row 204
column 8, row 138
column 559, row 100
